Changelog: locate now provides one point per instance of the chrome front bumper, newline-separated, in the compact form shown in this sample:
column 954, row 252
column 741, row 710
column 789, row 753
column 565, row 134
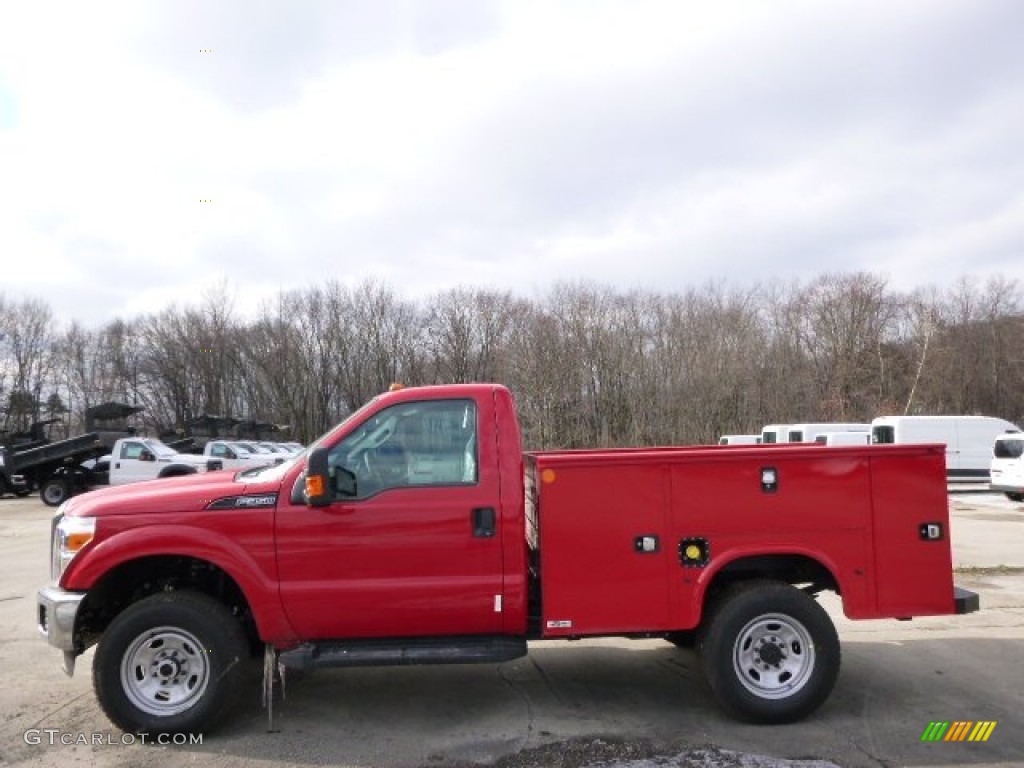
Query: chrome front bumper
column 57, row 611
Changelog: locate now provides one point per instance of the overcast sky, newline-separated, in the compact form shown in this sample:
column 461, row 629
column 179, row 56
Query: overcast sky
column 438, row 143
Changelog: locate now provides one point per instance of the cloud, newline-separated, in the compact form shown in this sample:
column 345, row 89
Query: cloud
column 509, row 144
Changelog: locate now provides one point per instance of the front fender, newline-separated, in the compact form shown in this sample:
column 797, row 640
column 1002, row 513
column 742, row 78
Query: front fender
column 258, row 586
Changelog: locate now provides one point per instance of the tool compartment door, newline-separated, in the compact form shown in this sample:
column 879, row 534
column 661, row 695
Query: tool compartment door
column 605, row 561
column 913, row 559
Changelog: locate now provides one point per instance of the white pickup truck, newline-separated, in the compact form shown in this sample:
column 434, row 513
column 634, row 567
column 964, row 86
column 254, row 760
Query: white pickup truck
column 146, row 458
column 132, row 460
column 234, row 456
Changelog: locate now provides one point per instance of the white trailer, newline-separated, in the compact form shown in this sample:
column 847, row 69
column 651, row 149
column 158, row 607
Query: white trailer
column 968, row 439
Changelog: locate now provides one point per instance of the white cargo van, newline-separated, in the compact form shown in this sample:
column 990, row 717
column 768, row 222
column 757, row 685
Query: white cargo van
column 968, row 439
column 808, row 433
column 775, row 433
column 1007, row 468
column 843, row 438
column 739, row 440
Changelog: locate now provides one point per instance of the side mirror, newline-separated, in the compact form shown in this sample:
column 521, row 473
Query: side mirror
column 318, row 488
column 345, row 482
column 147, row 456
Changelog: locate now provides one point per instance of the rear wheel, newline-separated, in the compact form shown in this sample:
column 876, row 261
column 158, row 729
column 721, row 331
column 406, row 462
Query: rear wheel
column 171, row 663
column 770, row 652
column 55, row 491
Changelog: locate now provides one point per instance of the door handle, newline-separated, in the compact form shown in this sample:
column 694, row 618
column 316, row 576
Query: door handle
column 484, row 522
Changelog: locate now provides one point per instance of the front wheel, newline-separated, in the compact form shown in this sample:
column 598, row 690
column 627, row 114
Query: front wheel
column 55, row 491
column 770, row 652
column 1018, row 497
column 171, row 663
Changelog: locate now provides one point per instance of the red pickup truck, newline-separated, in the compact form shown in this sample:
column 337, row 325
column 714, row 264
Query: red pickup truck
column 417, row 531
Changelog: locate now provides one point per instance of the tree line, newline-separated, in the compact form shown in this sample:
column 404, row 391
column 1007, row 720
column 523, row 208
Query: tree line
column 590, row 365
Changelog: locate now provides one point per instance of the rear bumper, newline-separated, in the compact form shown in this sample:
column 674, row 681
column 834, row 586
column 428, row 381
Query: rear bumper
column 965, row 600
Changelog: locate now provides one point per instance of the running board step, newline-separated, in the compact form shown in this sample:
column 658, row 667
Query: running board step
column 404, row 651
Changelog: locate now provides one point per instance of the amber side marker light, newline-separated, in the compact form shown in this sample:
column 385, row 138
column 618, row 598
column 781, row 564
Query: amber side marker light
column 395, row 387
column 75, row 541
column 548, row 476
column 315, row 485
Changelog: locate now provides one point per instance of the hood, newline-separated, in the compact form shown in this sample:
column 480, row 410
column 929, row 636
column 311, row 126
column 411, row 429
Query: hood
column 170, row 495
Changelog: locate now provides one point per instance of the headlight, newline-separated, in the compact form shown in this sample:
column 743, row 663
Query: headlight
column 70, row 535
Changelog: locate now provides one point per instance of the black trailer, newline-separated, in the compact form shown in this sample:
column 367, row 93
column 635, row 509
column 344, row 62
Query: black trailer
column 55, row 469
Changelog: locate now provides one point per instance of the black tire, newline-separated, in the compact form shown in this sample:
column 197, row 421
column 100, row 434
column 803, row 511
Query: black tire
column 55, row 491
column 176, row 472
column 769, row 652
column 191, row 646
column 1018, row 497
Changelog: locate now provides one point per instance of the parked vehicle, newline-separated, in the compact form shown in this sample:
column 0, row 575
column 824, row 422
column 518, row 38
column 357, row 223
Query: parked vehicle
column 808, row 433
column 739, row 440
column 259, row 451
column 54, row 468
column 132, row 460
column 1007, row 467
column 419, row 532
column 968, row 439
column 843, row 438
column 145, row 458
column 233, row 456
column 775, row 433
column 278, row 449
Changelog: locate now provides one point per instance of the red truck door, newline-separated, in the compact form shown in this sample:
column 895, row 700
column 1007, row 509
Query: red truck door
column 416, row 550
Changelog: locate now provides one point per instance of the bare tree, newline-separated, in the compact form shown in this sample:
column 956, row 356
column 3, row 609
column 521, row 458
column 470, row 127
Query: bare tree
column 26, row 335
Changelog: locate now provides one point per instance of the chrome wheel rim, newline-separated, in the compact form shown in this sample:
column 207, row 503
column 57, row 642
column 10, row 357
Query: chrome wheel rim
column 165, row 671
column 773, row 656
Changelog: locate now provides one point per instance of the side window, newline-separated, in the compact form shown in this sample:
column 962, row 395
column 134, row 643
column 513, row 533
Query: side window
column 421, row 444
column 131, row 450
column 218, row 450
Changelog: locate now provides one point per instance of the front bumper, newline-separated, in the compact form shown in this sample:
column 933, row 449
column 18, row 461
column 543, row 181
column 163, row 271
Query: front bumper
column 57, row 611
column 965, row 600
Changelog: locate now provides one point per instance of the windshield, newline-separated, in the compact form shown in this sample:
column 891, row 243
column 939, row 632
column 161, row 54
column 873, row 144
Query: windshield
column 268, row 473
column 1009, row 448
column 278, row 471
column 158, row 448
